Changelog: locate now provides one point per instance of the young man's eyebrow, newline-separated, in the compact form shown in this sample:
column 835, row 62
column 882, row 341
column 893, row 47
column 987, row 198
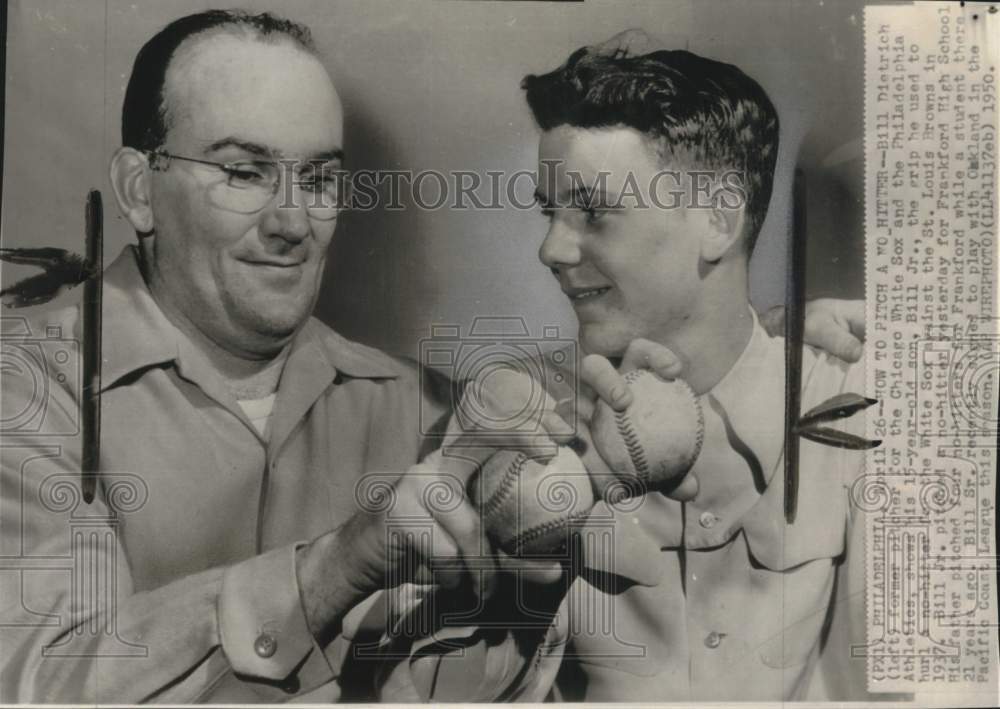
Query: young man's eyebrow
column 541, row 199
column 581, row 195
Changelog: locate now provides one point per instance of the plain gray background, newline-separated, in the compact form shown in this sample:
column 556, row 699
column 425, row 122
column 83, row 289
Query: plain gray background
column 434, row 84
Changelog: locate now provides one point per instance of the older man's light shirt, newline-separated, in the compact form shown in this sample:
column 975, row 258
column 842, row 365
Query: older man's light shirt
column 189, row 592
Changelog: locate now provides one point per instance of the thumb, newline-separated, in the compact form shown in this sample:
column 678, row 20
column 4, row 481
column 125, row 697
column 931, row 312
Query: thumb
column 686, row 490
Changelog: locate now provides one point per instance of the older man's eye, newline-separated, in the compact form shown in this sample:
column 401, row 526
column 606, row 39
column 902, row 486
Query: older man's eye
column 245, row 175
column 592, row 214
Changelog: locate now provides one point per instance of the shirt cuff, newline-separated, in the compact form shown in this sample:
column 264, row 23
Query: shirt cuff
column 261, row 620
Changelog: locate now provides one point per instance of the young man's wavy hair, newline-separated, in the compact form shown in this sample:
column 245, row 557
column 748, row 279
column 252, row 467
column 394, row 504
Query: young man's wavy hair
column 702, row 114
column 145, row 115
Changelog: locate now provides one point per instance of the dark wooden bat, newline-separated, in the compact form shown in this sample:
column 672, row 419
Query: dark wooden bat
column 795, row 305
column 90, row 405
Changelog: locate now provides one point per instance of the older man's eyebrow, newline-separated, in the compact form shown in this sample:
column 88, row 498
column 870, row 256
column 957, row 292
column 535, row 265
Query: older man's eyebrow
column 244, row 145
column 327, row 156
column 253, row 148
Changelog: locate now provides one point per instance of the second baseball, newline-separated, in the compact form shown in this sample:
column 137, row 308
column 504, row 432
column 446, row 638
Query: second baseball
column 529, row 508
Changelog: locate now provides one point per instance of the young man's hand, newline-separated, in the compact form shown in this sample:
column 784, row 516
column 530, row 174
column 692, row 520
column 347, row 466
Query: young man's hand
column 836, row 326
column 607, row 383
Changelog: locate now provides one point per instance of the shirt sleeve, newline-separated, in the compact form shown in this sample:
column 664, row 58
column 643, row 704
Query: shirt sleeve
column 74, row 629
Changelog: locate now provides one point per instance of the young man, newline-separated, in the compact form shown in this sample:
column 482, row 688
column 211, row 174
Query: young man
column 650, row 237
column 655, row 171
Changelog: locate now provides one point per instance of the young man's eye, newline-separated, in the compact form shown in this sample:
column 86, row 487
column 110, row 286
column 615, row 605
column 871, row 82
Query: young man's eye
column 592, row 214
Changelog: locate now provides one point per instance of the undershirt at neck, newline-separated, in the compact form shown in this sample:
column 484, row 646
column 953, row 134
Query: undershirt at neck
column 258, row 411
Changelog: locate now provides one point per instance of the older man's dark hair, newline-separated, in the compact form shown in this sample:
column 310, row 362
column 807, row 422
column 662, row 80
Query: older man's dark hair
column 702, row 114
column 144, row 113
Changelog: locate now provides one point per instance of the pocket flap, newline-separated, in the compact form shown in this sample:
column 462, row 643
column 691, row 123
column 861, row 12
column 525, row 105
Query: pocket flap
column 820, row 527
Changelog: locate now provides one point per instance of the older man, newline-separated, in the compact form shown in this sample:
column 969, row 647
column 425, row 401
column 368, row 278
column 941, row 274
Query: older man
column 235, row 427
column 235, row 424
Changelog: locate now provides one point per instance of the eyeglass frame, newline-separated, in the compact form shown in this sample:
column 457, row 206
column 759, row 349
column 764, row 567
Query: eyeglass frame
column 157, row 155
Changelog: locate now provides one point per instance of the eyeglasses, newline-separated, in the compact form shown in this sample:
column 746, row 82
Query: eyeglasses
column 248, row 185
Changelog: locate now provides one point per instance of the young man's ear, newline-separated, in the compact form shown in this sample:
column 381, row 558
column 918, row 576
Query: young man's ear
column 130, row 182
column 726, row 223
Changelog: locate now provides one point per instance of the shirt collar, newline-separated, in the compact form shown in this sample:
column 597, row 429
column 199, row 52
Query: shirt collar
column 137, row 334
column 752, row 393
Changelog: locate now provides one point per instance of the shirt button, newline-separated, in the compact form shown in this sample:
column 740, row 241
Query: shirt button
column 707, row 520
column 713, row 640
column 265, row 645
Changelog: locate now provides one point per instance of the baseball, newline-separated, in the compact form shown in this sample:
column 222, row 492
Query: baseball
column 657, row 439
column 529, row 508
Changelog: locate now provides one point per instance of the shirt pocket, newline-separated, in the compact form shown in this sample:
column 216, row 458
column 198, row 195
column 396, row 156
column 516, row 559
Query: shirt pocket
column 795, row 644
column 801, row 560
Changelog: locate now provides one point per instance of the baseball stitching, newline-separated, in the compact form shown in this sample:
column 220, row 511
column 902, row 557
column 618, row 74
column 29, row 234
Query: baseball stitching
column 631, row 438
column 511, row 475
column 501, row 494
column 701, row 429
column 546, row 527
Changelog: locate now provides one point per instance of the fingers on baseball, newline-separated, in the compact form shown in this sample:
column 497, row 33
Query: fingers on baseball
column 458, row 539
column 583, row 445
column 558, row 429
column 606, row 382
column 465, row 452
column 537, row 572
column 646, row 354
column 686, row 490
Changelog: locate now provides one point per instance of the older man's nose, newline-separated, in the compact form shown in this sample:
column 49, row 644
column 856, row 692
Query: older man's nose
column 287, row 216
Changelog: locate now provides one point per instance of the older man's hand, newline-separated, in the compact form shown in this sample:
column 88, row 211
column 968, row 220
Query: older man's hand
column 836, row 326
column 422, row 528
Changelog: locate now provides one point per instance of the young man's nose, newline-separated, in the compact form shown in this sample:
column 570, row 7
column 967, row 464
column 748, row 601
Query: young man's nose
column 561, row 246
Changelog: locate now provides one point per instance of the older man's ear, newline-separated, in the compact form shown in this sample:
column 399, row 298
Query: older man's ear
column 130, row 175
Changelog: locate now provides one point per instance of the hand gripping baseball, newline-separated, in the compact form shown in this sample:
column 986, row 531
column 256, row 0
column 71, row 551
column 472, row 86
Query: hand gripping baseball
column 654, row 442
column 646, row 425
